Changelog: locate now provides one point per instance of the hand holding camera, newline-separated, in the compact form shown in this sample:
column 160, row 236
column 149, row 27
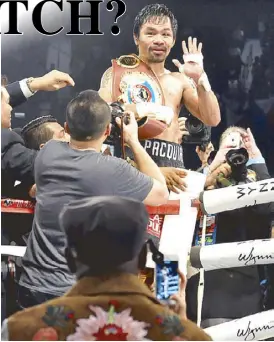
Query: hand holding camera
column 130, row 128
column 203, row 155
column 219, row 159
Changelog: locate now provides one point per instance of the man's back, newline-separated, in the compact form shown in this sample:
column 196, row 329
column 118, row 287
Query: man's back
column 109, row 308
column 62, row 175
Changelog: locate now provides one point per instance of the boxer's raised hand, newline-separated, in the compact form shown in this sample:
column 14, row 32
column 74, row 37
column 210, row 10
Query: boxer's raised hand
column 174, row 178
column 193, row 59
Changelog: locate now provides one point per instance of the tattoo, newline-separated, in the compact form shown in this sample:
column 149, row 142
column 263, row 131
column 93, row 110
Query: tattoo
column 107, row 77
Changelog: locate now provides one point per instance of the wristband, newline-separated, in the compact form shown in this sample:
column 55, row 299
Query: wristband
column 194, row 58
column 204, row 82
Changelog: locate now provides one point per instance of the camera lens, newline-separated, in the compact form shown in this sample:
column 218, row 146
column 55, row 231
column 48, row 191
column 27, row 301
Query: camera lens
column 194, row 126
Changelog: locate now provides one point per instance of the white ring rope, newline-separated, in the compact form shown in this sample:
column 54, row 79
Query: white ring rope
column 239, row 196
column 251, row 328
column 236, row 254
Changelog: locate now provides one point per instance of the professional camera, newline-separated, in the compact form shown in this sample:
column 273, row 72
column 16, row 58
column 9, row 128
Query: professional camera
column 117, row 111
column 237, row 160
column 199, row 133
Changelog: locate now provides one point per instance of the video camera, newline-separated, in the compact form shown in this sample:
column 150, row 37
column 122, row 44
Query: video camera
column 236, row 159
column 199, row 133
column 117, row 111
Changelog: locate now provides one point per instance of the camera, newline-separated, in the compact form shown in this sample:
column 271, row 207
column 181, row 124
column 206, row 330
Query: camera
column 199, row 133
column 237, row 159
column 117, row 111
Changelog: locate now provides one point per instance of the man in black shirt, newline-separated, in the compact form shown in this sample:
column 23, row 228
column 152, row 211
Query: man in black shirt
column 75, row 170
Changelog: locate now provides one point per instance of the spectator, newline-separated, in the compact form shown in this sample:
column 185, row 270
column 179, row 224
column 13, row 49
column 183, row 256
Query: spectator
column 104, row 238
column 17, row 160
column 40, row 130
column 233, row 293
column 65, row 172
column 20, row 91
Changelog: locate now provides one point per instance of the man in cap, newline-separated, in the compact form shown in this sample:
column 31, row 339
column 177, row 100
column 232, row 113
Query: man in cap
column 105, row 236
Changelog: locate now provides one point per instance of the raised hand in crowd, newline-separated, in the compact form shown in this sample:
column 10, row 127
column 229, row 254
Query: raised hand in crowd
column 179, row 299
column 250, row 144
column 223, row 170
column 174, row 178
column 182, row 126
column 203, row 155
column 54, row 80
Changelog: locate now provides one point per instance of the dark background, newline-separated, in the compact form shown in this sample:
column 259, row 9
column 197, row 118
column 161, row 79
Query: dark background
column 238, row 38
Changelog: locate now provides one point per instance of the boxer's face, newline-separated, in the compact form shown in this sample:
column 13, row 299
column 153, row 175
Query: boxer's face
column 155, row 40
column 5, row 109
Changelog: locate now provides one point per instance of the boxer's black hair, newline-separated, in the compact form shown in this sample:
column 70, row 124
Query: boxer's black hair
column 36, row 132
column 158, row 12
column 87, row 116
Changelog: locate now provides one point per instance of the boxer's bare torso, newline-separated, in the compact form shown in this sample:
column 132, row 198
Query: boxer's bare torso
column 178, row 91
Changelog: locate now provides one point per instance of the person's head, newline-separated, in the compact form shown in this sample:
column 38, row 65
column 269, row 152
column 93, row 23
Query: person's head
column 155, row 29
column 88, row 117
column 105, row 235
column 40, row 130
column 231, row 138
column 5, row 108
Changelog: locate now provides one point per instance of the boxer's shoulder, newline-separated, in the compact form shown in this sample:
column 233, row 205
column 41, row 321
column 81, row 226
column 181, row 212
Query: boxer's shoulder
column 172, row 79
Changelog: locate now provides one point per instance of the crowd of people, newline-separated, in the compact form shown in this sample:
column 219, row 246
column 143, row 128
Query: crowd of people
column 84, row 274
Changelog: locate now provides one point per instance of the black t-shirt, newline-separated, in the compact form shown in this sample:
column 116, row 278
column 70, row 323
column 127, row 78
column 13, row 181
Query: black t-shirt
column 63, row 174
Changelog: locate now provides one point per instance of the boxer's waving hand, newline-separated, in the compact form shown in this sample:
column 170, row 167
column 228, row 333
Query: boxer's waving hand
column 193, row 59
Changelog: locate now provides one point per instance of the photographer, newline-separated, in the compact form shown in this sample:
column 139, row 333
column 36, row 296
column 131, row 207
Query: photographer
column 233, row 293
column 68, row 171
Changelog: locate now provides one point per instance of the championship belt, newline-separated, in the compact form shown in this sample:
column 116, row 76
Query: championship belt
column 134, row 82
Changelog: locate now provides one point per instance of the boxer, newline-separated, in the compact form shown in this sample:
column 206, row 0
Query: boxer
column 143, row 84
column 150, row 90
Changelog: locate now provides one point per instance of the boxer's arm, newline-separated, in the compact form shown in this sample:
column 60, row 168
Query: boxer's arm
column 105, row 90
column 201, row 103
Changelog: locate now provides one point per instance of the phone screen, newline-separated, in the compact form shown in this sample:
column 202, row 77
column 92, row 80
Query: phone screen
column 167, row 280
